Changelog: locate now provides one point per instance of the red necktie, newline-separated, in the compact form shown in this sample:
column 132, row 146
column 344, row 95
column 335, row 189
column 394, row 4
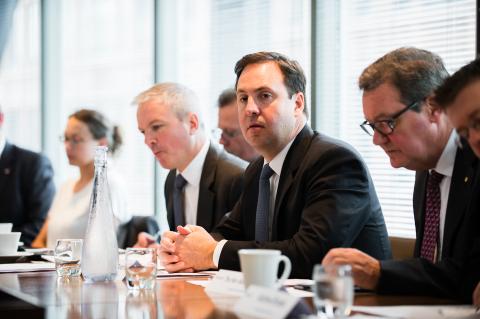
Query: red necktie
column 432, row 217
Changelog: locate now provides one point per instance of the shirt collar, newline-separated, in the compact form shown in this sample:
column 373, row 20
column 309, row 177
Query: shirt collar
column 193, row 172
column 447, row 159
column 277, row 162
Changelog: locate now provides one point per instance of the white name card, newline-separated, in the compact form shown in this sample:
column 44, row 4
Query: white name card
column 261, row 302
column 227, row 282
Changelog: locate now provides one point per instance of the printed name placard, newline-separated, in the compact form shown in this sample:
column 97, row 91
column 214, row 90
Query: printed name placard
column 227, row 282
column 261, row 302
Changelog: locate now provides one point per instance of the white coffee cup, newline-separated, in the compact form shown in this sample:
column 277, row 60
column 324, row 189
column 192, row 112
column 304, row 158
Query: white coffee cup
column 6, row 227
column 9, row 243
column 260, row 267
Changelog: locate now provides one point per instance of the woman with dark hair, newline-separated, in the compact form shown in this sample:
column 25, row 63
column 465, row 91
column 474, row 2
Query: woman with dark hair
column 68, row 216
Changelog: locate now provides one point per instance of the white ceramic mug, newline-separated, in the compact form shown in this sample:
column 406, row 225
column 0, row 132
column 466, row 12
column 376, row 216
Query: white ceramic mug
column 260, row 267
column 6, row 227
column 9, row 243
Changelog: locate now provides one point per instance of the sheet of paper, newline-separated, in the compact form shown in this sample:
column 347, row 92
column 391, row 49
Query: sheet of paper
column 420, row 312
column 166, row 274
column 26, row 267
column 261, row 302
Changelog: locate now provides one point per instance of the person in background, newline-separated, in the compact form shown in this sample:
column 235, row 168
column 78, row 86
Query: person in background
column 459, row 96
column 407, row 123
column 231, row 136
column 204, row 181
column 68, row 216
column 306, row 194
column 26, row 188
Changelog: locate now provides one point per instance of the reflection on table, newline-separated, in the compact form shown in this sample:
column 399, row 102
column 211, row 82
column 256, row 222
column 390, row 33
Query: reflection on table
column 173, row 298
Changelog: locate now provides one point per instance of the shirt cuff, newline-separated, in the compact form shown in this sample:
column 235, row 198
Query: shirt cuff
column 218, row 251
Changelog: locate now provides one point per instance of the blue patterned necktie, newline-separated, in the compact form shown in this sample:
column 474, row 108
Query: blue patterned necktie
column 263, row 204
column 432, row 217
column 178, row 209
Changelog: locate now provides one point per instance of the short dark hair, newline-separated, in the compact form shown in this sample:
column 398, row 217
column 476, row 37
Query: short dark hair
column 415, row 73
column 449, row 90
column 227, row 97
column 294, row 77
column 100, row 128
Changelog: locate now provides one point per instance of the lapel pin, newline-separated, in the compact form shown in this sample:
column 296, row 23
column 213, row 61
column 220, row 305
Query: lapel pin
column 466, row 179
column 6, row 171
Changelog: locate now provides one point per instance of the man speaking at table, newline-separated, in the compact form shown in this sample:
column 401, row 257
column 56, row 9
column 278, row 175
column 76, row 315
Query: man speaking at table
column 306, row 194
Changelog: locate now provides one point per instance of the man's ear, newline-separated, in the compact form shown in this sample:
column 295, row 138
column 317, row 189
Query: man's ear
column 433, row 109
column 299, row 102
column 193, row 122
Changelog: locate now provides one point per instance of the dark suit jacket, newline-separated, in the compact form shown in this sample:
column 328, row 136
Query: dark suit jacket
column 26, row 190
column 325, row 199
column 419, row 276
column 470, row 272
column 221, row 184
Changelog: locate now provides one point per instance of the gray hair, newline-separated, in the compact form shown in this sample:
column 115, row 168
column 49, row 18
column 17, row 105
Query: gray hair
column 415, row 73
column 179, row 98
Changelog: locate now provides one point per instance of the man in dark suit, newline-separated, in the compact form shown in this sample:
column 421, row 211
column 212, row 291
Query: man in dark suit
column 317, row 195
column 221, row 184
column 204, row 181
column 26, row 188
column 459, row 96
column 415, row 133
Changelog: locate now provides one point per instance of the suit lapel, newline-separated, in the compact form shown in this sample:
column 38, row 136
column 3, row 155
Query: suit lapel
column 6, row 167
column 206, row 195
column 459, row 195
column 289, row 169
column 419, row 195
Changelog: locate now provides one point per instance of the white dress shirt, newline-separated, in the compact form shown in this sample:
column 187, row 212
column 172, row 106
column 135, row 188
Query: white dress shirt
column 2, row 143
column 276, row 165
column 445, row 167
column 192, row 174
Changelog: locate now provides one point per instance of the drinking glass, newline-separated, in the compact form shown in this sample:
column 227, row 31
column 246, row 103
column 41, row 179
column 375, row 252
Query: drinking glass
column 141, row 268
column 333, row 290
column 68, row 256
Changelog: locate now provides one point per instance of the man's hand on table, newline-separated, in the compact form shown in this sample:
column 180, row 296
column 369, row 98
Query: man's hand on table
column 365, row 269
column 189, row 249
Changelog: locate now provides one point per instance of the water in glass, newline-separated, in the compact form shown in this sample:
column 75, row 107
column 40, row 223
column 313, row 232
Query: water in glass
column 333, row 290
column 141, row 268
column 68, row 255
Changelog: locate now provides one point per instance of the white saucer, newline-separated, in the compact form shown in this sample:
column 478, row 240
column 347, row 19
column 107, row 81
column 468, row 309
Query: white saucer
column 18, row 254
column 39, row 251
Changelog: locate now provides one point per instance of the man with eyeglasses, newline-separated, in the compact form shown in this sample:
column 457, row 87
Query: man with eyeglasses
column 26, row 188
column 231, row 136
column 408, row 125
column 459, row 96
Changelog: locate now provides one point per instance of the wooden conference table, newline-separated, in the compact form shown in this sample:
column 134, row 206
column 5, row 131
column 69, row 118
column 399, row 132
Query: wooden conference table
column 43, row 295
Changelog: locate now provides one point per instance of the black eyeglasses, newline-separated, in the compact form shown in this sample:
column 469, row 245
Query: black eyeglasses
column 218, row 132
column 386, row 127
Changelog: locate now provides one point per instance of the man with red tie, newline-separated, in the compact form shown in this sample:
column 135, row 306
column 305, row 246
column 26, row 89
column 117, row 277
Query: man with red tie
column 408, row 125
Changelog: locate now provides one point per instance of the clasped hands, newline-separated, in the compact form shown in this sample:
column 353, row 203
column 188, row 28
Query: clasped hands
column 187, row 250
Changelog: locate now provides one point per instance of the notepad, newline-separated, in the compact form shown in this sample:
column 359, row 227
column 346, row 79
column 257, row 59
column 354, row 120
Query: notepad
column 26, row 267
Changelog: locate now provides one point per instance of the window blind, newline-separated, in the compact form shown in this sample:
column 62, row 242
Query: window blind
column 353, row 34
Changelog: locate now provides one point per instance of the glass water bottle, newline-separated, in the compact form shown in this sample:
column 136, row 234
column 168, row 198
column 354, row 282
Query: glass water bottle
column 100, row 251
